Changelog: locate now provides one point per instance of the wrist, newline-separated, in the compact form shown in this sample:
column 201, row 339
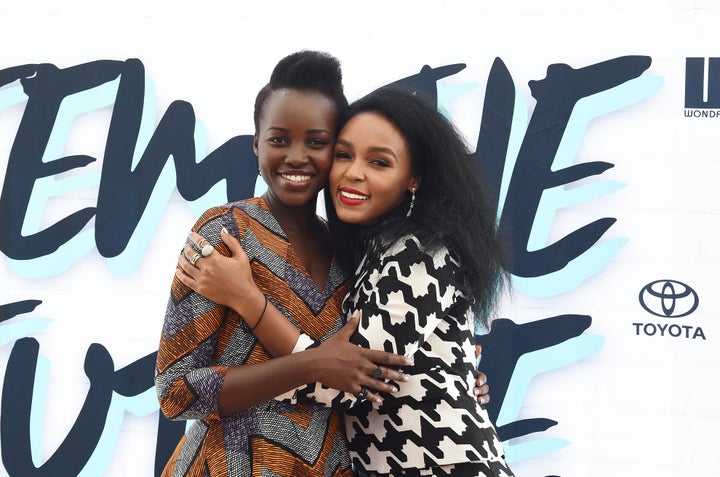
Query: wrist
column 250, row 307
column 308, row 360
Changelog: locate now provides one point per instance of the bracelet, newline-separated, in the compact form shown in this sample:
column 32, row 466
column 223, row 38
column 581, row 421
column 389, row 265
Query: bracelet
column 261, row 314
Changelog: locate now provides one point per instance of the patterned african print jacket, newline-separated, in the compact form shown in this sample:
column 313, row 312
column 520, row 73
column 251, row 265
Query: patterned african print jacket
column 200, row 340
column 410, row 305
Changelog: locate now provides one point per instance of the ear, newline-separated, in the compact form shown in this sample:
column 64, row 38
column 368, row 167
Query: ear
column 255, row 144
column 415, row 183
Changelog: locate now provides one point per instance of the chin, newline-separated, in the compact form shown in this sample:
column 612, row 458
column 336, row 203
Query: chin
column 349, row 218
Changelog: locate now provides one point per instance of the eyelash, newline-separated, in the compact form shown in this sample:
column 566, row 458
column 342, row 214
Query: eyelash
column 314, row 143
column 376, row 162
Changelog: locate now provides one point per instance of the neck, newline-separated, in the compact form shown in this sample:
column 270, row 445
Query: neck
column 290, row 217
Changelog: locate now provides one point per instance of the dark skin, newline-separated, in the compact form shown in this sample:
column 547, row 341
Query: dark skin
column 309, row 237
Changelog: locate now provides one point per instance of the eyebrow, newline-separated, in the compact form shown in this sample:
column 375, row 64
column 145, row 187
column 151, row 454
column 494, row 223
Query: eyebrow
column 309, row 131
column 385, row 150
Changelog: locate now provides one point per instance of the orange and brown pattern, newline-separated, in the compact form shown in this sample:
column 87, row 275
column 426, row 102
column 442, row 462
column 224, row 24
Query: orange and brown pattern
column 201, row 339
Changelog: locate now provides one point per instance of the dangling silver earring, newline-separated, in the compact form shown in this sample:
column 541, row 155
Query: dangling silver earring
column 412, row 203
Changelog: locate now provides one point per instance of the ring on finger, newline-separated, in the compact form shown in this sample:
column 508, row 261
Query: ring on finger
column 377, row 372
column 363, row 393
column 194, row 258
column 207, row 249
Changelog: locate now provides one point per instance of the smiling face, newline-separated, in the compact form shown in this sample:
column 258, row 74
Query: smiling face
column 294, row 145
column 371, row 171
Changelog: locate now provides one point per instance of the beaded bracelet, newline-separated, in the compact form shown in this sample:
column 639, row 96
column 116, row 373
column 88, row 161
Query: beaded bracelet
column 261, row 314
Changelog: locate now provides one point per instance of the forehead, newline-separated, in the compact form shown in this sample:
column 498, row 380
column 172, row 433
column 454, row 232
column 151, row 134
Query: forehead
column 297, row 106
column 373, row 129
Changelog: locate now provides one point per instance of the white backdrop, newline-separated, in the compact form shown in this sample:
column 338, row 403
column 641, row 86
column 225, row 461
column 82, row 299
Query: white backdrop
column 634, row 394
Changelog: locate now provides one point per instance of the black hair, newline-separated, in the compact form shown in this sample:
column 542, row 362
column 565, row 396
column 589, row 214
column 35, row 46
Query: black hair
column 451, row 208
column 305, row 70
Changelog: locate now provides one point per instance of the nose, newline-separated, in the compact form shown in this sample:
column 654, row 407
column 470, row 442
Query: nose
column 354, row 171
column 296, row 155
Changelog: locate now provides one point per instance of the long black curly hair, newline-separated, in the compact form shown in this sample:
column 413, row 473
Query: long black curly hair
column 451, row 206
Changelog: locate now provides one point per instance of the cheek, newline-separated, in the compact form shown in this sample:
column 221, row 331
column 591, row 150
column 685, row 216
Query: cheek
column 325, row 162
column 335, row 175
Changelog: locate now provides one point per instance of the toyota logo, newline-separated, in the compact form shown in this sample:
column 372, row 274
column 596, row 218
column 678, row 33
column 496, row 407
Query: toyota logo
column 668, row 299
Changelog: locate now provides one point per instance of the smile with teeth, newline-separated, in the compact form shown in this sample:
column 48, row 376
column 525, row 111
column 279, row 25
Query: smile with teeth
column 352, row 196
column 296, row 177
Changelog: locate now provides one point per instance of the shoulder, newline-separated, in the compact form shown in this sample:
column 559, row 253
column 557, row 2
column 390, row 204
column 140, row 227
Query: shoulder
column 411, row 250
column 233, row 216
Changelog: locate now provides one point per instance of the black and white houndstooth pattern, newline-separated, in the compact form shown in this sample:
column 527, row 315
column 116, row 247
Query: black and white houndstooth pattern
column 410, row 305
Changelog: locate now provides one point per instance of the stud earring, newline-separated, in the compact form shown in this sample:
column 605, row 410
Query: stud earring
column 412, row 203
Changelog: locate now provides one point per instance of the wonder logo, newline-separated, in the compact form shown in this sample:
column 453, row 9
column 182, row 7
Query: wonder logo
column 668, row 299
column 702, row 87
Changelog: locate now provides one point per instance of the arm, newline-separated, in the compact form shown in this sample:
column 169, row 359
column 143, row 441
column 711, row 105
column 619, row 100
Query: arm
column 190, row 382
column 226, row 278
column 404, row 299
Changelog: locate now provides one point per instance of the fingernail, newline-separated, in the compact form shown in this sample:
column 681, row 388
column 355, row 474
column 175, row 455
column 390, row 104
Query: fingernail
column 405, row 377
column 476, row 391
column 225, row 231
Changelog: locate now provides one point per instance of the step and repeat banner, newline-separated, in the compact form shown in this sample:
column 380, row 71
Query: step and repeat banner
column 597, row 125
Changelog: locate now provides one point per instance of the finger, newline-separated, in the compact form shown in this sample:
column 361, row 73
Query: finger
column 188, row 251
column 233, row 244
column 184, row 279
column 481, row 390
column 349, row 328
column 378, row 385
column 483, row 399
column 478, row 350
column 196, row 238
column 373, row 397
column 191, row 256
column 381, row 374
column 185, row 253
column 382, row 357
column 481, row 378
column 183, row 264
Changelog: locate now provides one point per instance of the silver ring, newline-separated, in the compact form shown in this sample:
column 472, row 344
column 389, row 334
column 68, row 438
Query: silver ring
column 207, row 250
column 194, row 258
column 203, row 241
column 363, row 393
column 377, row 372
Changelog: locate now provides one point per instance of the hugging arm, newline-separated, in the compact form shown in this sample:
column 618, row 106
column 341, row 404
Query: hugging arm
column 227, row 278
column 340, row 365
column 191, row 379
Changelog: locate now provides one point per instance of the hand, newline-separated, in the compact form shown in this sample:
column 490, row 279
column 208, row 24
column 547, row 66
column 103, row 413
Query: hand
column 482, row 389
column 226, row 280
column 347, row 367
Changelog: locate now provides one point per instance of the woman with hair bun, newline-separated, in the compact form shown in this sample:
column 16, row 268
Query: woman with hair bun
column 211, row 366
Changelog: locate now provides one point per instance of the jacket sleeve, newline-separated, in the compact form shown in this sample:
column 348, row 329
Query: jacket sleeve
column 187, row 377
